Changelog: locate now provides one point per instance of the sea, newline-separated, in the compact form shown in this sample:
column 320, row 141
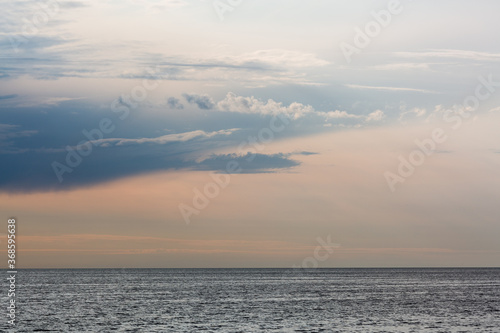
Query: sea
column 256, row 300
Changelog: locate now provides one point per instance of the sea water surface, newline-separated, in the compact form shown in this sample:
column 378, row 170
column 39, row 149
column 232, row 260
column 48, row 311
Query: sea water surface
column 257, row 300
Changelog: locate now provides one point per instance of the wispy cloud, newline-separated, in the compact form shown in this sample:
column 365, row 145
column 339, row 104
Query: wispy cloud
column 169, row 138
column 357, row 86
column 120, row 244
column 450, row 53
column 3, row 97
column 402, row 66
column 277, row 57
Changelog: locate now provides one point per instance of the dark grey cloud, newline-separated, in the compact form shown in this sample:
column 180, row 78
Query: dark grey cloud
column 204, row 102
column 174, row 103
column 249, row 163
column 8, row 96
column 306, row 153
column 34, row 171
column 32, row 139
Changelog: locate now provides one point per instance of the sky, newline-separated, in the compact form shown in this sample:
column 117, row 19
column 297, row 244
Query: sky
column 192, row 133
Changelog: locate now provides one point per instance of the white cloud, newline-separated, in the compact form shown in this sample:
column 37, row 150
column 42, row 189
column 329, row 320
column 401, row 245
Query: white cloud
column 234, row 103
column 279, row 58
column 375, row 116
column 413, row 113
column 241, row 104
column 356, row 86
column 449, row 53
column 340, row 114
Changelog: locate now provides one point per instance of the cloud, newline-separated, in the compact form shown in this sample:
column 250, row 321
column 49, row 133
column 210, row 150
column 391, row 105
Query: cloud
column 305, row 153
column 8, row 131
column 375, row 116
column 159, row 5
column 278, row 58
column 402, row 66
column 169, row 138
column 52, row 55
column 340, row 114
column 234, row 103
column 2, row 97
column 251, row 105
column 356, row 86
column 204, row 102
column 32, row 172
column 451, row 53
column 413, row 113
column 56, row 100
column 120, row 244
column 33, row 140
column 249, row 163
column 174, row 103
column 73, row 4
